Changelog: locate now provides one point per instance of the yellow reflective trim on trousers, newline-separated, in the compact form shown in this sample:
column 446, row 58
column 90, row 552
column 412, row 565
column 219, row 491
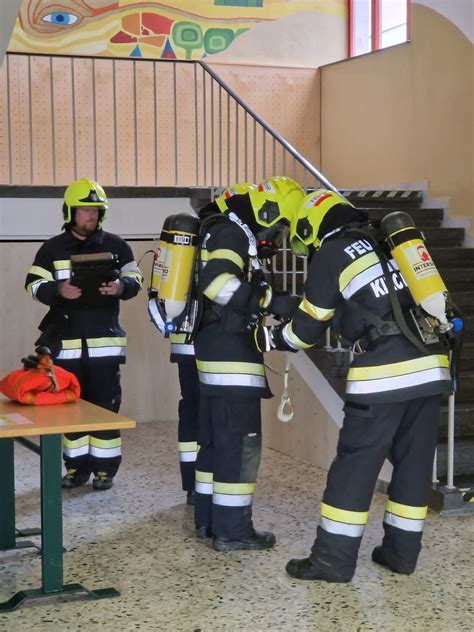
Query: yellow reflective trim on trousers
column 62, row 264
column 118, row 341
column 398, row 368
column 75, row 343
column 41, row 272
column 105, row 443
column 248, row 368
column 236, row 489
column 344, row 515
column 203, row 477
column 204, row 256
column 187, row 446
column 356, row 268
column 292, row 339
column 76, row 443
column 225, row 253
column 406, row 511
column 319, row 313
column 178, row 338
column 216, row 286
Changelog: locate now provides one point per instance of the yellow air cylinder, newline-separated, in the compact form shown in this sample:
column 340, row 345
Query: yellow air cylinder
column 159, row 258
column 408, row 249
column 177, row 272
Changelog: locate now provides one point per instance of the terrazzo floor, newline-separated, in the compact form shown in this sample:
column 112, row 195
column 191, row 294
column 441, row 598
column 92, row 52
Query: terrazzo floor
column 138, row 537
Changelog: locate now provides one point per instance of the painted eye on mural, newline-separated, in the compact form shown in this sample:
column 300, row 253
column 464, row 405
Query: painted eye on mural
column 61, row 18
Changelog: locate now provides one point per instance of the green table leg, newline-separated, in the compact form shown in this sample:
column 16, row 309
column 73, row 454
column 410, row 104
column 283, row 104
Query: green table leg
column 7, row 495
column 52, row 535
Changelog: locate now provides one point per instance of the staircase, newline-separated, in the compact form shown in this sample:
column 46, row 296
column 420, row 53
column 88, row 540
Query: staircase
column 456, row 265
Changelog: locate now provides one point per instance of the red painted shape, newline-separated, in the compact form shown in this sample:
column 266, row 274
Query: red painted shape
column 157, row 23
column 122, row 38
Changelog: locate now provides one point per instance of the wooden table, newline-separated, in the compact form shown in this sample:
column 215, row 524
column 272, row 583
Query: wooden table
column 18, row 421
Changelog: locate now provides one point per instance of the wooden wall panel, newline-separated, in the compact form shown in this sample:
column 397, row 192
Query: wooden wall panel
column 105, row 122
column 5, row 175
column 165, row 125
column 84, row 119
column 44, row 164
column 185, row 115
column 63, row 117
column 126, row 123
column 138, row 123
column 146, row 129
column 20, row 121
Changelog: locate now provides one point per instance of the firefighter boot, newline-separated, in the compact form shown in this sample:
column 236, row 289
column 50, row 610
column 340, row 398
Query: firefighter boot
column 102, row 481
column 379, row 557
column 258, row 541
column 305, row 569
column 73, row 479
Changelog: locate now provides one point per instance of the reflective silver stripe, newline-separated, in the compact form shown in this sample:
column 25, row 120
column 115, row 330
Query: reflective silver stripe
column 105, row 453
column 61, row 275
column 361, row 387
column 232, row 379
column 100, row 352
column 187, row 457
column 227, row 291
column 341, row 528
column 405, row 524
column 182, row 349
column 132, row 270
column 35, row 285
column 73, row 452
column 232, row 500
column 203, row 488
column 362, row 279
column 69, row 354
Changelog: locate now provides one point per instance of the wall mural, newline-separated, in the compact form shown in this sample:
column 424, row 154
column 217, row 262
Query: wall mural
column 183, row 29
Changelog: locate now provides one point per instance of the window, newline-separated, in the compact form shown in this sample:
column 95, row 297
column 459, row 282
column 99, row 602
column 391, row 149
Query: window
column 375, row 24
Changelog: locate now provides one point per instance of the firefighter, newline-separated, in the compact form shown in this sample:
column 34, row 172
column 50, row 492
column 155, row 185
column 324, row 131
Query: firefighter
column 232, row 377
column 182, row 354
column 86, row 339
column 393, row 391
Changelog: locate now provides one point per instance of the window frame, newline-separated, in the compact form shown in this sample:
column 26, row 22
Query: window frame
column 375, row 26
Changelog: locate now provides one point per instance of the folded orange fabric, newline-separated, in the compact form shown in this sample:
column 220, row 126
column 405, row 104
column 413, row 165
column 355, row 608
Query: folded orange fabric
column 35, row 386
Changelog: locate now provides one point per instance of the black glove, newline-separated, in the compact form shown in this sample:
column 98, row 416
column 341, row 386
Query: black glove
column 283, row 305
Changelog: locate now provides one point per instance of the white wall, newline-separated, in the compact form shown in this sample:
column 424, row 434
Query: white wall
column 459, row 12
column 132, row 218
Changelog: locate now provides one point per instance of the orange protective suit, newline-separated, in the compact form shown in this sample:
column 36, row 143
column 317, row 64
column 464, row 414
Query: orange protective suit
column 41, row 387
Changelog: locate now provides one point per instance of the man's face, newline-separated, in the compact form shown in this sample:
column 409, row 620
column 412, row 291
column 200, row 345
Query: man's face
column 86, row 219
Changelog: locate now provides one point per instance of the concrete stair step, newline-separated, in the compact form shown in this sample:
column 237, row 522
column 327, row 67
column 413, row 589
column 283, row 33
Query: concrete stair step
column 464, row 300
column 387, row 198
column 463, row 419
column 444, row 237
column 463, row 457
column 421, row 216
column 445, row 257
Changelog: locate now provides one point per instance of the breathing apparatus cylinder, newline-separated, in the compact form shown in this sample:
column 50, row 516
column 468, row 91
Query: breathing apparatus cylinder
column 407, row 247
column 182, row 232
column 159, row 259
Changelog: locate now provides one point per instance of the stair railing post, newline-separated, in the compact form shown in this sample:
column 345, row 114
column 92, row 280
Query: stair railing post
column 450, row 456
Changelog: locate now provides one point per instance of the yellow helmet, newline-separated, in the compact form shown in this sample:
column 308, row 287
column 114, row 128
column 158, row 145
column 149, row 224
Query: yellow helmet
column 307, row 221
column 235, row 189
column 84, row 192
column 276, row 199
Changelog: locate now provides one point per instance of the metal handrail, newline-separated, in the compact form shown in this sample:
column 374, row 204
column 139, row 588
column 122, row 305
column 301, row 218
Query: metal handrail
column 296, row 155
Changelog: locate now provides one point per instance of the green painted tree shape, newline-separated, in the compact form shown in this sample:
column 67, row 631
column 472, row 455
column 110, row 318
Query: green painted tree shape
column 217, row 40
column 187, row 35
